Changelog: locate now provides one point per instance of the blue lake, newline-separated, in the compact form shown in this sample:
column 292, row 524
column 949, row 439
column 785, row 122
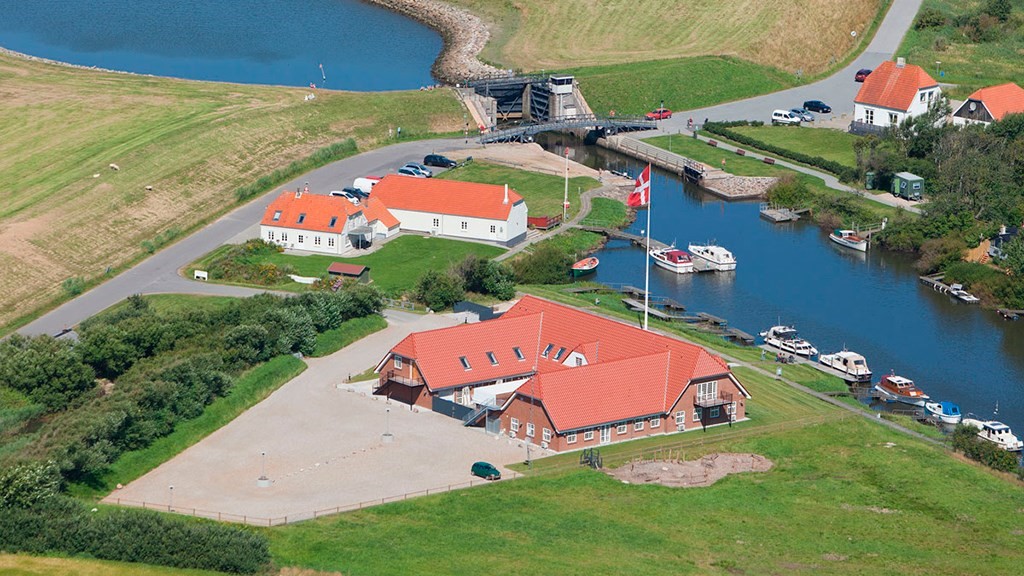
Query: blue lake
column 871, row 303
column 280, row 42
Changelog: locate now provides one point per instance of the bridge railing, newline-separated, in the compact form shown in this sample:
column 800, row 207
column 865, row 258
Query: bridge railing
column 662, row 157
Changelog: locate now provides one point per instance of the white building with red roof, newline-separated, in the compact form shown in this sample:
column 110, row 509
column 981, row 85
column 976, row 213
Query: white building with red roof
column 893, row 92
column 325, row 224
column 990, row 104
column 456, row 209
column 563, row 378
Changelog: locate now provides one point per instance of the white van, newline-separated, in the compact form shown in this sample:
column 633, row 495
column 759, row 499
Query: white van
column 366, row 183
column 785, row 117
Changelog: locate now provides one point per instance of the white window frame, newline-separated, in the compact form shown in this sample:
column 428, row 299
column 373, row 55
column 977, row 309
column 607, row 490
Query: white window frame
column 465, row 225
column 513, row 425
column 300, row 239
column 681, row 419
column 570, row 438
column 465, row 363
column 437, row 222
column 398, row 362
column 545, row 435
column 493, row 228
column 707, row 391
column 270, row 235
column 519, row 353
column 638, row 425
column 622, row 429
column 869, row 116
column 588, row 435
column 316, row 240
column 547, row 351
column 493, row 359
column 530, row 429
column 284, row 236
column 330, row 241
column 893, row 118
column 656, row 421
column 697, row 412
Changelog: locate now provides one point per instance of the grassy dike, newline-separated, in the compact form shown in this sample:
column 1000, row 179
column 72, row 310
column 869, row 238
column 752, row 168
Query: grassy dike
column 194, row 143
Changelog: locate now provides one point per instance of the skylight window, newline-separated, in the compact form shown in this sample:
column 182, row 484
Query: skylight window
column 560, row 353
column 465, row 363
column 302, row 218
column 547, row 350
column 277, row 215
column 334, row 220
column 519, row 353
column 492, row 358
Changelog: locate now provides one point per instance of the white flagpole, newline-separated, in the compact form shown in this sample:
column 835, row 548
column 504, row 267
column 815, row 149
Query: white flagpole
column 647, row 254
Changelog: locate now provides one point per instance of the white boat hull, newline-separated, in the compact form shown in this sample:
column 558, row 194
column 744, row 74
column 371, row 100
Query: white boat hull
column 713, row 263
column 834, row 363
column 861, row 246
column 902, row 399
column 786, row 346
column 935, row 410
column 682, row 268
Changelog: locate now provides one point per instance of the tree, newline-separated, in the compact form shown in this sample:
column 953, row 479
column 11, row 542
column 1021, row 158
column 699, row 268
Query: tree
column 50, row 371
column 485, row 276
column 548, row 264
column 1014, row 252
column 439, row 291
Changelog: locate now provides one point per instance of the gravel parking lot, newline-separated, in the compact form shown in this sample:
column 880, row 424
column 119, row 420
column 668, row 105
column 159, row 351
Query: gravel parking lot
column 324, row 446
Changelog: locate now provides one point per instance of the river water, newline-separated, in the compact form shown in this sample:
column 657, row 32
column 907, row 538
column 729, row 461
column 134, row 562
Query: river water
column 791, row 273
column 281, row 42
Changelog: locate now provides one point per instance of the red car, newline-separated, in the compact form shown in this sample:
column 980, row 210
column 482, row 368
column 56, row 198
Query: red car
column 861, row 75
column 659, row 114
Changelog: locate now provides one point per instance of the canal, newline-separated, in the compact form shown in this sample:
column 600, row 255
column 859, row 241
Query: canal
column 280, row 42
column 791, row 273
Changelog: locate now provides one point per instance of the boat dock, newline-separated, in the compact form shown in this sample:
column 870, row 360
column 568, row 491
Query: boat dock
column 636, row 239
column 1009, row 314
column 935, row 282
column 778, row 214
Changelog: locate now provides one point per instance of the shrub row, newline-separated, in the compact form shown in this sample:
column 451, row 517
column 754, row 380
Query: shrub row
column 845, row 173
column 965, row 439
column 65, row 526
column 321, row 157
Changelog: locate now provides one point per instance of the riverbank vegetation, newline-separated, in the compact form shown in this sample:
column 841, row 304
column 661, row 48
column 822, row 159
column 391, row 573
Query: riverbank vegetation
column 973, row 44
column 543, row 193
column 183, row 150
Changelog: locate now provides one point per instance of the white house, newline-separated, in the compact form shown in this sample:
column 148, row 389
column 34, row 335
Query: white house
column 325, row 224
column 990, row 105
column 467, row 210
column 891, row 93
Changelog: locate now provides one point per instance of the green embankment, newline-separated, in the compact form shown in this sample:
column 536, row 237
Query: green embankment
column 333, row 340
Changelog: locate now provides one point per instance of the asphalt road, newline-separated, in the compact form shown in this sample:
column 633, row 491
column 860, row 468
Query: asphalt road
column 838, row 90
column 159, row 272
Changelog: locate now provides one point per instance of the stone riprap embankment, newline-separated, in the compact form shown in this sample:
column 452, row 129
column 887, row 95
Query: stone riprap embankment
column 464, row 37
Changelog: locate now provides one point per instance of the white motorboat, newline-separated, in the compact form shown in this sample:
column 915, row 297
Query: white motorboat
column 716, row 257
column 853, row 366
column 786, row 339
column 673, row 259
column 850, row 239
column 957, row 291
column 997, row 433
column 946, row 412
column 900, row 389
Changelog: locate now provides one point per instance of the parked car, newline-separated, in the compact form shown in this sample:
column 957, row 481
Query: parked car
column 861, row 75
column 356, row 192
column 659, row 114
column 366, row 183
column 440, row 161
column 419, row 168
column 785, row 117
column 485, row 470
column 347, row 195
column 802, row 114
column 818, row 106
column 404, row 171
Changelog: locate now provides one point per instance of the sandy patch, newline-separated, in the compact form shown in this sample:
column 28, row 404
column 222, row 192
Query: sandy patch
column 688, row 474
column 527, row 157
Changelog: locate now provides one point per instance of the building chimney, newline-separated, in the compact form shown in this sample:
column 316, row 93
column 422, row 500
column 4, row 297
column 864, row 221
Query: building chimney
column 505, row 201
column 901, row 62
column 1002, row 230
column 298, row 192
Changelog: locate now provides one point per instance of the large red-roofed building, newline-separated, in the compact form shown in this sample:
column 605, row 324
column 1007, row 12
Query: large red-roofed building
column 893, row 92
column 563, row 378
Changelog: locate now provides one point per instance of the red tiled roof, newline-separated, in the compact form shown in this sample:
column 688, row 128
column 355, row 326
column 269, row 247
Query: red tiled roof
column 438, row 196
column 318, row 210
column 345, row 269
column 1001, row 100
column 374, row 209
column 893, row 87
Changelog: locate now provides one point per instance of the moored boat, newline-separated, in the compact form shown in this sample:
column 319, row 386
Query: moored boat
column 946, row 412
column 785, row 338
column 957, row 291
column 900, row 389
column 850, row 239
column 997, row 433
column 673, row 259
column 853, row 366
column 585, row 266
column 717, row 258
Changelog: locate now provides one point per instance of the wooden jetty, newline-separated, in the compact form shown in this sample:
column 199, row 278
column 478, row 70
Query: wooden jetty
column 638, row 306
column 740, row 335
column 712, row 319
column 1009, row 314
column 935, row 282
column 636, row 239
column 777, row 214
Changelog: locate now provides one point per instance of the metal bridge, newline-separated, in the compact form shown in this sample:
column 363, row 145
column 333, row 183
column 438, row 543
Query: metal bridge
column 607, row 125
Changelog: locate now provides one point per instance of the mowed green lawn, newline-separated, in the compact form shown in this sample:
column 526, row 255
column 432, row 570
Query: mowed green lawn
column 845, row 497
column 829, row 144
column 22, row 565
column 543, row 193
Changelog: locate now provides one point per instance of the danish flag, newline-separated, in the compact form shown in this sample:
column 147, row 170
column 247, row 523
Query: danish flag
column 641, row 194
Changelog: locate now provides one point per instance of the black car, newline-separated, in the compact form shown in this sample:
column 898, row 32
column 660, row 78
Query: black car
column 357, row 192
column 438, row 160
column 818, row 106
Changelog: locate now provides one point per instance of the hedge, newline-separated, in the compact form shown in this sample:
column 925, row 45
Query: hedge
column 845, row 173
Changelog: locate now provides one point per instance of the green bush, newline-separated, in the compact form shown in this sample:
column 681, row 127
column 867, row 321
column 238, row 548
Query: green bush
column 49, row 371
column 965, row 439
column 484, row 276
column 439, row 291
column 29, row 484
column 790, row 191
column 73, row 286
column 929, row 18
column 547, row 264
column 845, row 173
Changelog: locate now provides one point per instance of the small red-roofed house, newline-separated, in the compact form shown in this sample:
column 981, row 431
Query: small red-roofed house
column 562, row 378
column 455, row 209
column 893, row 92
column 325, row 224
column 990, row 105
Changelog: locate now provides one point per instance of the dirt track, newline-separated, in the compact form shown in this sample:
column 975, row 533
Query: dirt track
column 689, row 474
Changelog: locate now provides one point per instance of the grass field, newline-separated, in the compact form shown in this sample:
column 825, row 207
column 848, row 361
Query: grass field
column 846, row 497
column 21, row 565
column 333, row 340
column 829, row 144
column 249, row 389
column 606, row 212
column 966, row 65
column 543, row 193
column 804, row 35
column 195, row 143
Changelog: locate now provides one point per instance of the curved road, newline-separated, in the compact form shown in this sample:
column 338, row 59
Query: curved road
column 159, row 272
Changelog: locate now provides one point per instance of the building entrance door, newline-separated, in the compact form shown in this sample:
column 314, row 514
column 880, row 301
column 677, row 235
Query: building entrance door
column 606, row 434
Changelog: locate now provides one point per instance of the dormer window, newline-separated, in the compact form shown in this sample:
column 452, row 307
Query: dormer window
column 547, row 350
column 518, row 353
column 492, row 358
column 334, row 220
column 302, row 218
column 277, row 215
column 560, row 353
column 465, row 363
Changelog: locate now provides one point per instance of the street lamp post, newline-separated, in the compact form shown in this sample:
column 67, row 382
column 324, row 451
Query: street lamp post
column 170, row 503
column 937, row 67
column 263, row 464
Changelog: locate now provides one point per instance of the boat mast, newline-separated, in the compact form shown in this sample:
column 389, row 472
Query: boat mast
column 647, row 252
